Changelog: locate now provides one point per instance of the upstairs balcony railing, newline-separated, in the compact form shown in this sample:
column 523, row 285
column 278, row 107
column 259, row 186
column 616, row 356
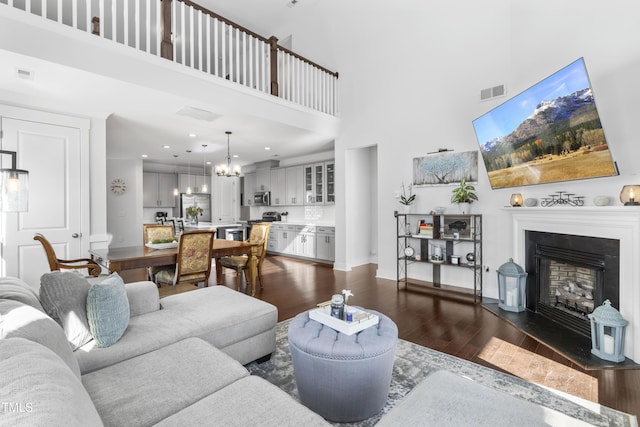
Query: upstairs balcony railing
column 188, row 34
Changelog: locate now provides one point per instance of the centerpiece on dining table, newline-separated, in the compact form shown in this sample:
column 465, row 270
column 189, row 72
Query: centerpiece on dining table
column 192, row 214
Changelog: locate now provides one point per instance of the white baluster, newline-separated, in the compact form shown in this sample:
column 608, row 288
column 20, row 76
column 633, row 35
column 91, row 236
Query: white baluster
column 103, row 21
column 183, row 34
column 223, row 44
column 114, row 20
column 216, row 39
column 125, row 23
column 209, row 47
column 200, row 41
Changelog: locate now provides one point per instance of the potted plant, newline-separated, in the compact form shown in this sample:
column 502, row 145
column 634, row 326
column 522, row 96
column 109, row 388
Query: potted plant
column 464, row 194
column 407, row 199
column 193, row 212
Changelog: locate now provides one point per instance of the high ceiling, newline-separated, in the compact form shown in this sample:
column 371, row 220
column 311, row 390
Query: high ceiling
column 141, row 121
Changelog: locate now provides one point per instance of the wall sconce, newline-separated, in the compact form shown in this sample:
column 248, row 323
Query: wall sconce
column 607, row 332
column 516, row 200
column 14, row 189
column 630, row 195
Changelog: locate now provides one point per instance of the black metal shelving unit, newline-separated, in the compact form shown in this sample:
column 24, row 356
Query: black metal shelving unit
column 444, row 228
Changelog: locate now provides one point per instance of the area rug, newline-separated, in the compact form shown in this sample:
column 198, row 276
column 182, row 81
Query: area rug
column 414, row 363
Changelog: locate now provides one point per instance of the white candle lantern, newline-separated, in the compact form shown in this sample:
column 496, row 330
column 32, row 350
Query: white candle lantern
column 512, row 280
column 607, row 333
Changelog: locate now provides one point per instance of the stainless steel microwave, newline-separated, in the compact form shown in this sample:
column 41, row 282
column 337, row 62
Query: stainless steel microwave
column 262, row 198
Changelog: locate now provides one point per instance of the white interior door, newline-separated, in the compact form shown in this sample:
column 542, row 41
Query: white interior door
column 52, row 155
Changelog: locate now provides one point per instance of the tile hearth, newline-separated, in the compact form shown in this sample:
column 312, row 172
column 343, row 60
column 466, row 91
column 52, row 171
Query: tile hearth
column 571, row 345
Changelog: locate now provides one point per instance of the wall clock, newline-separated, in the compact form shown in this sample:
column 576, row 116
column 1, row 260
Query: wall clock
column 118, row 186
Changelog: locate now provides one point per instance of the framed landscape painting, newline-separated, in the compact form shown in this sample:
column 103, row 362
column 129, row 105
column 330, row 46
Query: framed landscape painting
column 445, row 168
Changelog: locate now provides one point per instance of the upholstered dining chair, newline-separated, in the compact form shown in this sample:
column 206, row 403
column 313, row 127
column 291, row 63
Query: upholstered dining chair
column 239, row 263
column 194, row 260
column 56, row 264
column 153, row 232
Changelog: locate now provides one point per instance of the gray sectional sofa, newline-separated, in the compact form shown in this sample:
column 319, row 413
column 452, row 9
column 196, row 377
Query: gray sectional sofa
column 179, row 362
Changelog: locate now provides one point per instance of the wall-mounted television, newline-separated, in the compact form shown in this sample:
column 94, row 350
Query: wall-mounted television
column 551, row 132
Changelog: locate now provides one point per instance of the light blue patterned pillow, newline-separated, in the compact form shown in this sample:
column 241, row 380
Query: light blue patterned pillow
column 108, row 310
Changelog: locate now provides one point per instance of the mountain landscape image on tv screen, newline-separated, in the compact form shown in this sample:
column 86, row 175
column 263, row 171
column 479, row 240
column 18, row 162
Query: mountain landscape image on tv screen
column 551, row 132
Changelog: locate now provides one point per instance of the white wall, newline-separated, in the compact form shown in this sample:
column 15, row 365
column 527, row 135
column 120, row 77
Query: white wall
column 410, row 77
column 125, row 210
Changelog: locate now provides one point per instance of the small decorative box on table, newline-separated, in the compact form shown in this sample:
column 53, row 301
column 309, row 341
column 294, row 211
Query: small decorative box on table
column 361, row 320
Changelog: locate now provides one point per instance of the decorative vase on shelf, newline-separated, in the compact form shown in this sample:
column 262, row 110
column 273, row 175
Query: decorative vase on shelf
column 406, row 209
column 464, row 207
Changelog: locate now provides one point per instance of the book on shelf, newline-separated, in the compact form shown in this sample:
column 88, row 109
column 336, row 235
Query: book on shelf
column 425, row 229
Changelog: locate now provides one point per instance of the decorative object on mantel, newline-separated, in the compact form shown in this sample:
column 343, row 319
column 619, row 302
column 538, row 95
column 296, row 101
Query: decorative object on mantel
column 601, row 201
column 407, row 199
column 562, row 199
column 630, row 195
column 607, row 332
column 512, row 281
column 464, row 194
column 516, row 200
column 530, row 202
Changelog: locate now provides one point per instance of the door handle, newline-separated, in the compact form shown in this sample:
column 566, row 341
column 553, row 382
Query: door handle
column 76, row 235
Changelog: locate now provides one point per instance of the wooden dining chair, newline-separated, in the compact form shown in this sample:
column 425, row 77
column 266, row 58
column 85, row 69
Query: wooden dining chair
column 239, row 263
column 57, row 264
column 194, row 260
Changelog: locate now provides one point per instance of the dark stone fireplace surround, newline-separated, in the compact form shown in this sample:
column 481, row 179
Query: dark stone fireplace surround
column 601, row 255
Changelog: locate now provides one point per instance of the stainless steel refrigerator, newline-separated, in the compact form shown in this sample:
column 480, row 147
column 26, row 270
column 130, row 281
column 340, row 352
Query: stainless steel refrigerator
column 201, row 200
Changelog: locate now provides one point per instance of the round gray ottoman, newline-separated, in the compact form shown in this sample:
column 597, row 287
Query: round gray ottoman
column 340, row 377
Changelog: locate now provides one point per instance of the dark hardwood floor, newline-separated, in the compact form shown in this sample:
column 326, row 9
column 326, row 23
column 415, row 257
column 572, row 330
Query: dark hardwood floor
column 442, row 322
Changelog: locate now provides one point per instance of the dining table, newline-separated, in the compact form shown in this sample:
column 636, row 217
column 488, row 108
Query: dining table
column 131, row 262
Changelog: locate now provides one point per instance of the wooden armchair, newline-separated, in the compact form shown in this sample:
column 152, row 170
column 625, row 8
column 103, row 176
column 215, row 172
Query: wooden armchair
column 259, row 234
column 194, row 260
column 56, row 264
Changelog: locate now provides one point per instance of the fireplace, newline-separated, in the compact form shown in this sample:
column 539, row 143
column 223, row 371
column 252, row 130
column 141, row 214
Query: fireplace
column 571, row 275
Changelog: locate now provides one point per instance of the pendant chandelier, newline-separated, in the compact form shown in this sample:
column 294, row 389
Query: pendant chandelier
column 225, row 170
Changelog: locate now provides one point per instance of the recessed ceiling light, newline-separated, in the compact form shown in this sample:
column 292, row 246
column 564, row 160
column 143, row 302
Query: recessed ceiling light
column 144, row 156
column 235, row 156
column 166, row 146
column 192, row 135
column 267, row 148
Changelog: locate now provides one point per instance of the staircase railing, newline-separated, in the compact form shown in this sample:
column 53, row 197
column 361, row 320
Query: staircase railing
column 188, row 34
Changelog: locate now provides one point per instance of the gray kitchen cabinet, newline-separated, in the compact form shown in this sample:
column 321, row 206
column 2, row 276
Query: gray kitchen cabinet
column 295, row 185
column 330, row 185
column 249, row 188
column 274, row 238
column 287, row 239
column 314, row 188
column 196, row 182
column 305, row 245
column 263, row 179
column 157, row 190
column 279, row 187
column 325, row 243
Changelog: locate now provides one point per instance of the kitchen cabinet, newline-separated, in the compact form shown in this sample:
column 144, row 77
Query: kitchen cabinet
column 295, row 185
column 274, row 239
column 196, row 182
column 325, row 243
column 278, row 187
column 249, row 188
column 330, row 184
column 314, row 184
column 263, row 179
column 287, row 239
column 305, row 245
column 157, row 190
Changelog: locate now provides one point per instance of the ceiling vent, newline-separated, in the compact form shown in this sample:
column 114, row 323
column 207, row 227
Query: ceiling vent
column 492, row 92
column 24, row 74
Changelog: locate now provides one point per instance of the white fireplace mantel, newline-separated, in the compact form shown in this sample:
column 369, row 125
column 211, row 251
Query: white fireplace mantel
column 611, row 222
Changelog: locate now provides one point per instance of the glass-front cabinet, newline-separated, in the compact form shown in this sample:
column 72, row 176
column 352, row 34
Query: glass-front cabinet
column 330, row 179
